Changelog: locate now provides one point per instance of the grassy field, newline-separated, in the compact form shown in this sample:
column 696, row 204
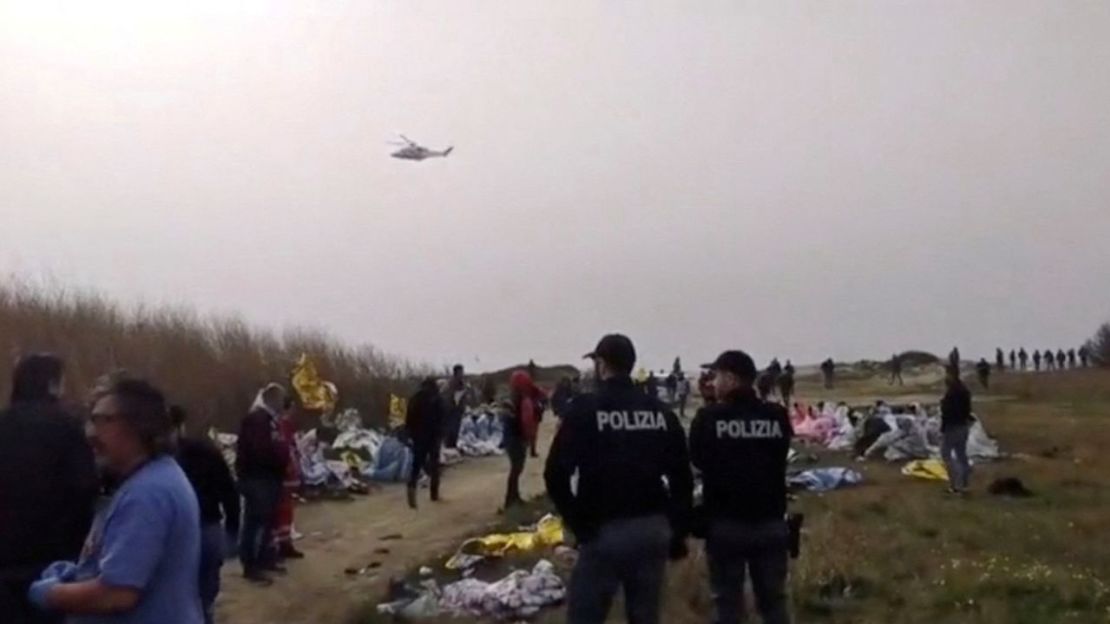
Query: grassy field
column 899, row 550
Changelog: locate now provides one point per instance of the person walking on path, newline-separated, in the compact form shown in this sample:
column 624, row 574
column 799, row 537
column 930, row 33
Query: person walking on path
column 141, row 560
column 48, row 485
column 622, row 445
column 260, row 463
column 896, row 370
column 218, row 500
column 740, row 446
column 955, row 426
column 424, row 426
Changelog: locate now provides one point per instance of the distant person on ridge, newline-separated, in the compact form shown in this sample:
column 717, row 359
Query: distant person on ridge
column 1037, row 361
column 1023, row 357
column 999, row 359
column 983, row 368
column 955, row 426
column 786, row 383
column 48, row 485
column 1084, row 356
column 954, row 358
column 896, row 370
column 1049, row 360
column 218, row 499
column 1013, row 360
column 622, row 445
column 1071, row 358
column 1061, row 360
column 828, row 370
column 424, row 426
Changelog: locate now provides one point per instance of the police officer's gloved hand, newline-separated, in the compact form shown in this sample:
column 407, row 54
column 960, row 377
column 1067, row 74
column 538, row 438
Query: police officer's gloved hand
column 678, row 550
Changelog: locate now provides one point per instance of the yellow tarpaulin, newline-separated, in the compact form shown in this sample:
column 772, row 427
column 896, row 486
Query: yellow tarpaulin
column 932, row 469
column 398, row 407
column 315, row 393
column 549, row 532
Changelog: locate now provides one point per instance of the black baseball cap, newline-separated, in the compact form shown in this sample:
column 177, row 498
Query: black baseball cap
column 735, row 362
column 615, row 350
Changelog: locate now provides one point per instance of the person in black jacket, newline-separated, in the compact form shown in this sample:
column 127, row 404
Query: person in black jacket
column 424, row 426
column 211, row 479
column 740, row 446
column 955, row 425
column 48, row 485
column 627, row 521
column 260, row 463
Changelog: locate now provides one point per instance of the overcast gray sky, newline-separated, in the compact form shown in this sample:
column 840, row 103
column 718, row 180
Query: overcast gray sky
column 799, row 179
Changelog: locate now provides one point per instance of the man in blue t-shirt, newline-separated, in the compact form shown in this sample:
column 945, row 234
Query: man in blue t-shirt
column 141, row 559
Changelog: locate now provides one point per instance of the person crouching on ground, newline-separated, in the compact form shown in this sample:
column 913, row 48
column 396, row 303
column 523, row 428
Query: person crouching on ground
column 520, row 430
column 955, row 426
column 260, row 462
column 424, row 425
column 219, row 506
column 141, row 560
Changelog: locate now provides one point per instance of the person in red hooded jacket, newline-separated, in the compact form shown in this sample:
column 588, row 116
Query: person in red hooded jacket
column 520, row 431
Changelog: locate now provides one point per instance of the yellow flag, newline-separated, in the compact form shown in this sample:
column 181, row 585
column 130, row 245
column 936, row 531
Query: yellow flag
column 315, row 393
column 398, row 407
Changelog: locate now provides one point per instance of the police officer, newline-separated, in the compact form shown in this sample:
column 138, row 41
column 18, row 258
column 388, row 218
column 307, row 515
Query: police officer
column 627, row 521
column 740, row 446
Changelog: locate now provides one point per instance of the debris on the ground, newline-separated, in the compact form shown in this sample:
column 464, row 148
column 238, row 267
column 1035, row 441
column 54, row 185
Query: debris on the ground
column 1009, row 486
column 824, row 479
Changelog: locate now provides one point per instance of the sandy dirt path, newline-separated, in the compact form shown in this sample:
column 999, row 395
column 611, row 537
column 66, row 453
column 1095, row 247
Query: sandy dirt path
column 346, row 534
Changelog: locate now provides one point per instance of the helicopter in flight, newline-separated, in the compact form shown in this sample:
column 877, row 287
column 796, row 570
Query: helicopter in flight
column 410, row 150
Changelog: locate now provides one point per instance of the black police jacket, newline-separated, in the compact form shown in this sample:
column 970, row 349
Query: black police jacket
column 631, row 457
column 740, row 445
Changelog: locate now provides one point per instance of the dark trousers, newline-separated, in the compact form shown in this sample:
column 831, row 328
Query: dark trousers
column 737, row 550
column 451, row 425
column 260, row 501
column 211, row 560
column 517, row 453
column 425, row 457
column 953, row 451
column 628, row 554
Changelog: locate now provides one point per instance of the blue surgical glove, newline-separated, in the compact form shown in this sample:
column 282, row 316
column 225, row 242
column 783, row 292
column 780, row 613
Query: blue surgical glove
column 39, row 591
column 64, row 571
